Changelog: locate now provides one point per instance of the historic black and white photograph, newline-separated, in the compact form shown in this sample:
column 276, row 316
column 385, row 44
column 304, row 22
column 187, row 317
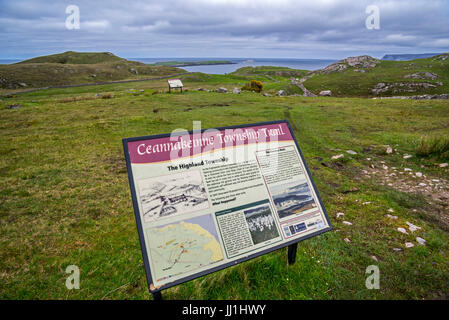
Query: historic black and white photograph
column 171, row 195
column 261, row 224
column 292, row 198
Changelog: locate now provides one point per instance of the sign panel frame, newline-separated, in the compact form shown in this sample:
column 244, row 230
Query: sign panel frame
column 140, row 230
column 175, row 83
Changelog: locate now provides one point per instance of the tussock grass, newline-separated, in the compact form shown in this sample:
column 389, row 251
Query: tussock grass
column 433, row 147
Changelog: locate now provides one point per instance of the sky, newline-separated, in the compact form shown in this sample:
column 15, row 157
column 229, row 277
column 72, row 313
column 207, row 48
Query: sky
column 321, row 29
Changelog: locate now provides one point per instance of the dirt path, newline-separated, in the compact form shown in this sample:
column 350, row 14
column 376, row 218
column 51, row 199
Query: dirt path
column 300, row 84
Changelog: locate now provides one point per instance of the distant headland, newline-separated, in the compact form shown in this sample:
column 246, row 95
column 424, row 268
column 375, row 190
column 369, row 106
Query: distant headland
column 178, row 64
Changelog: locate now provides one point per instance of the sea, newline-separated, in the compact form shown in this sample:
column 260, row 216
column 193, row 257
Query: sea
column 304, row 64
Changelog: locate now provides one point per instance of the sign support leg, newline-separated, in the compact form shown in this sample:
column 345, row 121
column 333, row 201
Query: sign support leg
column 157, row 296
column 292, row 253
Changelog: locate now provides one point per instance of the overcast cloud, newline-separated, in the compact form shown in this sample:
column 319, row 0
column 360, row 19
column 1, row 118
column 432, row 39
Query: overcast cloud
column 224, row 28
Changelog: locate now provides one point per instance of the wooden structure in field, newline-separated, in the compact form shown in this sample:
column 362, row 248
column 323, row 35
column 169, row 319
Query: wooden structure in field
column 174, row 84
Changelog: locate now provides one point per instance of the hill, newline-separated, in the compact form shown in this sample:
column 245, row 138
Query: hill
column 406, row 57
column 365, row 76
column 72, row 57
column 72, row 68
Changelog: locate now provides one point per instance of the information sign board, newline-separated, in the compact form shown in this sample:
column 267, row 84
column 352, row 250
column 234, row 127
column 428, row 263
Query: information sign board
column 210, row 199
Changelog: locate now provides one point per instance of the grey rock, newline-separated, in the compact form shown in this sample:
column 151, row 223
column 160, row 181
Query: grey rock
column 422, row 75
column 338, row 156
column 236, row 91
column 421, row 241
column 13, row 106
column 326, row 93
column 281, row 93
column 222, row 90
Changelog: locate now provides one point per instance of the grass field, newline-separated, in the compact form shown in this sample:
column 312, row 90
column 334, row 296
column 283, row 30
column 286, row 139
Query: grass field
column 65, row 199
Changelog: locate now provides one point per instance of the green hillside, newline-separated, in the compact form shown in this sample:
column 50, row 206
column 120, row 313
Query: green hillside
column 73, row 68
column 72, row 57
column 368, row 77
column 270, row 71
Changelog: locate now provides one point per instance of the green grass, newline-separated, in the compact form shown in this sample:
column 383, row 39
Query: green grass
column 65, row 199
column 239, row 78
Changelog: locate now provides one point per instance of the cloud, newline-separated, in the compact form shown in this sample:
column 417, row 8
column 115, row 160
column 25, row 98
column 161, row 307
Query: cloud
column 225, row 28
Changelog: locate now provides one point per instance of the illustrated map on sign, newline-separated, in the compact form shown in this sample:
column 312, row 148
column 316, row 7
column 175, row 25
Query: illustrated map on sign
column 172, row 195
column 182, row 247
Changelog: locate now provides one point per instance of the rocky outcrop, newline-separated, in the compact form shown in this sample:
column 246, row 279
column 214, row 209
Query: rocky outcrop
column 442, row 57
column 402, row 87
column 360, row 63
column 422, row 75
column 420, row 97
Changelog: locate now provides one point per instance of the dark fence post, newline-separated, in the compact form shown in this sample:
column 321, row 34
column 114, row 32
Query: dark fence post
column 157, row 296
column 292, row 253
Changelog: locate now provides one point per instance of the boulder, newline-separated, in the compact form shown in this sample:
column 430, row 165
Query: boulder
column 421, row 241
column 326, row 93
column 236, row 91
column 338, row 156
column 222, row 90
column 13, row 106
column 281, row 93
